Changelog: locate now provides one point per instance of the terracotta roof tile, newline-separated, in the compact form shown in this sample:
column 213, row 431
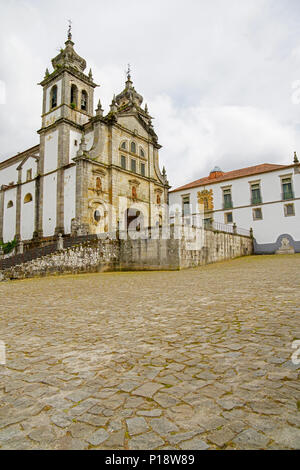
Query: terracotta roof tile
column 229, row 175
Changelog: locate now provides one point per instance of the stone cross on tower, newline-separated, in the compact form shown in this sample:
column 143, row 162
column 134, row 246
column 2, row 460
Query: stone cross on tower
column 69, row 30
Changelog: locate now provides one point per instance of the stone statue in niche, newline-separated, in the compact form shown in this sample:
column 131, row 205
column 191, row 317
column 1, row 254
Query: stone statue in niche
column 133, row 192
column 98, row 184
column 158, row 199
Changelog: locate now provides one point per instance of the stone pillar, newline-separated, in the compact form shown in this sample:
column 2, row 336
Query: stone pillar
column 81, row 195
column 40, row 202
column 18, row 206
column 62, row 159
column 2, row 193
column 36, row 206
column 1, row 253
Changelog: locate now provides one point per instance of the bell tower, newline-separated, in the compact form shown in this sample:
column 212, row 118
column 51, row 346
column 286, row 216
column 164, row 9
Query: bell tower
column 68, row 92
column 68, row 103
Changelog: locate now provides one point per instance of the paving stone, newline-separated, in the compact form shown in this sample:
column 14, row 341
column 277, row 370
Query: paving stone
column 42, row 434
column 147, row 390
column 136, row 425
column 194, row 444
column 220, row 437
column 217, row 358
column 288, row 437
column 152, row 413
column 11, row 432
column 61, row 420
column 98, row 437
column 251, row 439
column 163, row 426
column 147, row 441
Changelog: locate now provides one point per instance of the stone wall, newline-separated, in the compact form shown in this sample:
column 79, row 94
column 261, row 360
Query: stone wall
column 161, row 251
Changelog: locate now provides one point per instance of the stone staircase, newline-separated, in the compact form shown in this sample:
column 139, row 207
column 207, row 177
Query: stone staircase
column 40, row 252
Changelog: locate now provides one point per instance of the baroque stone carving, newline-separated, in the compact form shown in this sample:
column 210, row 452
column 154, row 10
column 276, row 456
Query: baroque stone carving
column 205, row 198
column 285, row 247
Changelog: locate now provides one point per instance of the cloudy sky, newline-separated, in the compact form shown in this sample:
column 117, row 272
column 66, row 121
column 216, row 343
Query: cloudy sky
column 221, row 77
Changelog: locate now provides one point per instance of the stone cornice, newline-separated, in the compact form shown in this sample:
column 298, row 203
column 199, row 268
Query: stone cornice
column 81, row 76
column 59, row 121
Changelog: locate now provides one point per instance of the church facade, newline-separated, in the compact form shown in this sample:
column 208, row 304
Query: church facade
column 91, row 173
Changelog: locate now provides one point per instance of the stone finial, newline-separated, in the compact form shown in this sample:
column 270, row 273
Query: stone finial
column 90, row 75
column 60, row 242
column 146, row 108
column 164, row 175
column 82, row 146
column 295, row 158
column 113, row 106
column 99, row 110
column 47, row 73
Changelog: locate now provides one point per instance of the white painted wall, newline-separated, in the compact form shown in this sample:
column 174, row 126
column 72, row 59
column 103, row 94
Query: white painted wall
column 9, row 221
column 9, row 174
column 274, row 222
column 27, row 211
column 30, row 163
column 74, row 135
column 49, row 208
column 69, row 197
column 51, row 151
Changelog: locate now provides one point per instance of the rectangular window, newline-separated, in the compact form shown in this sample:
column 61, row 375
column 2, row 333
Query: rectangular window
column 255, row 193
column 28, row 175
column 186, row 206
column 143, row 169
column 289, row 209
column 287, row 190
column 133, row 165
column 227, row 200
column 123, row 162
column 257, row 214
column 228, row 218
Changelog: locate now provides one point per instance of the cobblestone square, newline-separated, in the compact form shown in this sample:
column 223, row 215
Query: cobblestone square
column 194, row 359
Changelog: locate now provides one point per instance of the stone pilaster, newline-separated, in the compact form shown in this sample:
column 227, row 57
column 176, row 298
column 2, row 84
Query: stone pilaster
column 62, row 159
column 40, row 201
column 18, row 206
column 36, row 206
column 2, row 193
column 81, row 212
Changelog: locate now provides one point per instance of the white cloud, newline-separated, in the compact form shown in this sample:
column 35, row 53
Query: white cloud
column 217, row 75
column 195, row 139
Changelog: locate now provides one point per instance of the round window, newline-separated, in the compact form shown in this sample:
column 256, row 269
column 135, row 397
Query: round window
column 97, row 216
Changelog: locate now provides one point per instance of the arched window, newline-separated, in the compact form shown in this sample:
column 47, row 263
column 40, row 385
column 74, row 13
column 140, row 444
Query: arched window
column 98, row 184
column 53, row 97
column 142, row 153
column 74, row 95
column 158, row 199
column 84, row 100
column 10, row 204
column 133, row 147
column 97, row 215
column 123, row 145
column 27, row 198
